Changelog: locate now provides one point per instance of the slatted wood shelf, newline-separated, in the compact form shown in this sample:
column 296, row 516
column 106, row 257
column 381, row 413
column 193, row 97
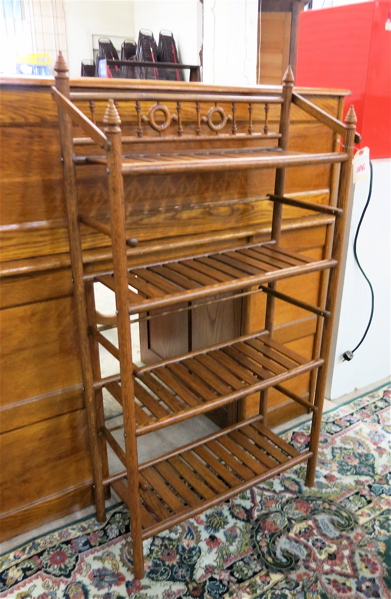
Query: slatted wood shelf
column 200, row 381
column 210, row 160
column 203, row 275
column 187, row 481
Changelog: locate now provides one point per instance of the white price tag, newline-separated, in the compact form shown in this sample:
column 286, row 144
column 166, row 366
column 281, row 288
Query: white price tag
column 361, row 165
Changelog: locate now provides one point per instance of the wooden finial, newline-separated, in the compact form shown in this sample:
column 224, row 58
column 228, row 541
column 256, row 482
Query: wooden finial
column 288, row 75
column 351, row 118
column 61, row 67
column 111, row 117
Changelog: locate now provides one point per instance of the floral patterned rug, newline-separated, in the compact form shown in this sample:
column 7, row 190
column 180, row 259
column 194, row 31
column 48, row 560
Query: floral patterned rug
column 279, row 540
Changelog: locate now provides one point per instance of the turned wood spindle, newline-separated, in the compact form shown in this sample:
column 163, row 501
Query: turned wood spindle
column 139, row 129
column 91, row 105
column 266, row 126
column 234, row 125
column 250, row 118
column 198, row 110
column 179, row 112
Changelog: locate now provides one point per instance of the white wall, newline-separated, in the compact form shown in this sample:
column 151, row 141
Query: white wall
column 230, row 41
column 372, row 360
column 85, row 18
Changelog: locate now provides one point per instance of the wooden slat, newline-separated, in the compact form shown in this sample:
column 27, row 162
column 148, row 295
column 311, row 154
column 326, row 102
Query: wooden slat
column 192, row 274
column 149, row 402
column 276, row 439
column 171, row 275
column 247, row 362
column 221, row 371
column 191, row 478
column 242, row 455
column 220, row 469
column 259, row 455
column 159, row 282
column 275, row 356
column 212, row 480
column 237, row 369
column 155, row 504
column 169, row 96
column 271, row 366
column 292, row 254
column 168, row 398
column 215, row 264
column 169, row 474
column 115, row 446
column 263, row 262
column 229, row 459
column 159, row 485
column 208, row 376
column 274, row 259
column 115, row 390
column 232, row 259
column 288, row 352
column 177, row 386
column 195, row 384
column 260, row 440
column 207, row 270
column 138, row 283
column 277, row 259
column 256, row 261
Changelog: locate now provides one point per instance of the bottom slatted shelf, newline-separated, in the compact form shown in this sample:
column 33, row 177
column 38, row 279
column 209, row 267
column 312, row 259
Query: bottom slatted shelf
column 187, row 481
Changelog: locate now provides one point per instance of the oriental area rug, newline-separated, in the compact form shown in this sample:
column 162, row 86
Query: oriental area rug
column 278, row 540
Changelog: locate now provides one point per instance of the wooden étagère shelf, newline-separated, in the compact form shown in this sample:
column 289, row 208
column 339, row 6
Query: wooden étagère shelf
column 182, row 484
column 137, row 135
column 180, row 388
column 166, row 283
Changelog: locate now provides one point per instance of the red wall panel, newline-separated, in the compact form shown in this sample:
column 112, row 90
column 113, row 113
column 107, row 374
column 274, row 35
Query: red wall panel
column 349, row 47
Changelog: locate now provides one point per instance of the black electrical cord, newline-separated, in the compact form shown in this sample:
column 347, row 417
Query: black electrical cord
column 349, row 355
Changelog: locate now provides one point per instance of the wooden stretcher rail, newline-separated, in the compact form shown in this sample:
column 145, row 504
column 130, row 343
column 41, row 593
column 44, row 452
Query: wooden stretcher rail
column 127, row 139
column 325, row 209
column 208, row 162
column 296, row 398
column 140, row 96
column 295, row 302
